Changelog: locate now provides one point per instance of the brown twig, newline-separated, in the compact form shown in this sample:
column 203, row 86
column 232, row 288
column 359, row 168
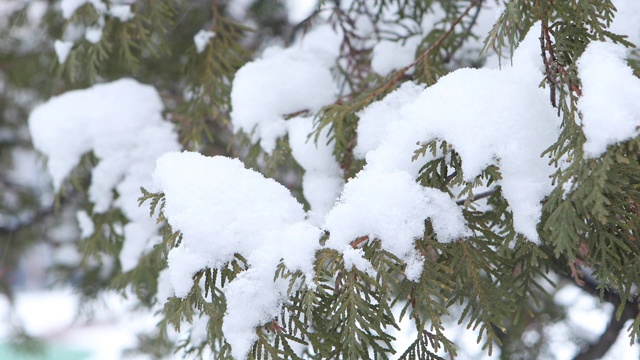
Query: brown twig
column 354, row 244
column 600, row 347
column 477, row 197
column 399, row 74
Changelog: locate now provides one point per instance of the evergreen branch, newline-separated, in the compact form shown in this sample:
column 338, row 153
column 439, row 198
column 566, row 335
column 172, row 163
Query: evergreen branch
column 399, row 74
column 600, row 347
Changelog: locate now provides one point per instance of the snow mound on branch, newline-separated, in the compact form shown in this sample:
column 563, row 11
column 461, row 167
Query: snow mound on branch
column 282, row 82
column 489, row 116
column 322, row 179
column 223, row 209
column 285, row 82
column 121, row 123
column 609, row 115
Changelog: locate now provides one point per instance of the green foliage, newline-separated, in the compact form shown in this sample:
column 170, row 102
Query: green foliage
column 495, row 282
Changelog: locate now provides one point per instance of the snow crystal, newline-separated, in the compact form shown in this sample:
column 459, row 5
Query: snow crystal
column 223, row 209
column 122, row 124
column 62, row 50
column 281, row 82
column 201, row 39
column 609, row 115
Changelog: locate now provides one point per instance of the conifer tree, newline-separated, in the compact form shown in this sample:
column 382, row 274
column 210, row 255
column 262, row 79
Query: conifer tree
column 330, row 185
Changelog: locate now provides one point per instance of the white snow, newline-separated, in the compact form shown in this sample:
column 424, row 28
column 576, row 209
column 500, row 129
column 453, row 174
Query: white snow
column 511, row 130
column 70, row 6
column 322, row 180
column 93, row 34
column 609, row 115
column 354, row 258
column 393, row 55
column 234, row 210
column 122, row 124
column 62, row 49
column 281, row 82
column 122, row 12
column 87, row 228
column 627, row 20
column 392, row 207
column 324, row 42
column 201, row 39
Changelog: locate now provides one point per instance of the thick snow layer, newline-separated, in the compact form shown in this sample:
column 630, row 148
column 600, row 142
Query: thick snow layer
column 122, row 124
column 392, row 207
column 281, row 82
column 223, row 209
column 609, row 115
column 322, row 180
column 511, row 130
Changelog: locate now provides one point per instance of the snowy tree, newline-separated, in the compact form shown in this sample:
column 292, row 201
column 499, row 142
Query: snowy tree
column 348, row 179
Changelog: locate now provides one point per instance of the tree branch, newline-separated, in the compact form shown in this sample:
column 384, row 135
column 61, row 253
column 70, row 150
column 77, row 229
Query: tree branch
column 600, row 347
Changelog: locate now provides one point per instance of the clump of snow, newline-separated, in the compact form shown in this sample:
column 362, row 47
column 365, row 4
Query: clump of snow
column 121, row 11
column 282, row 82
column 609, row 116
column 376, row 119
column 285, row 82
column 324, row 42
column 511, row 130
column 354, row 258
column 201, row 39
column 223, row 209
column 322, row 179
column 392, row 207
column 87, row 228
column 300, row 9
column 70, row 6
column 121, row 123
column 93, row 34
column 62, row 49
